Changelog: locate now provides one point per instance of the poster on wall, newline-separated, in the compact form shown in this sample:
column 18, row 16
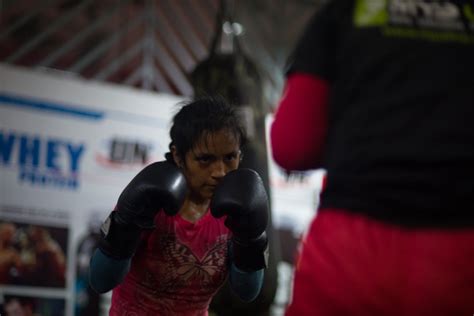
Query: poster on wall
column 67, row 149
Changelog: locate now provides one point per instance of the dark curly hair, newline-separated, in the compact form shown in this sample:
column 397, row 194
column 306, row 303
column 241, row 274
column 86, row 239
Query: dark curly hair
column 201, row 116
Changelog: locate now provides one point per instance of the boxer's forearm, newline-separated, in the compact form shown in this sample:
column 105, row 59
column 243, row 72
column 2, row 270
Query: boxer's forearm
column 105, row 273
column 246, row 285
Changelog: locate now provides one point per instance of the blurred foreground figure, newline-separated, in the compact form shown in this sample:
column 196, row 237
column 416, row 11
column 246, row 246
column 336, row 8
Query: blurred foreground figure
column 381, row 95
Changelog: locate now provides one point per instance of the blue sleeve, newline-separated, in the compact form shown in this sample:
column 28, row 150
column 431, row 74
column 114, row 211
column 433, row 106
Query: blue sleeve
column 246, row 285
column 105, row 273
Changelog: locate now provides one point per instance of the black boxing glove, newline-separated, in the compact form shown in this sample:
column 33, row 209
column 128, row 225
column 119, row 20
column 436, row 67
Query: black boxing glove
column 160, row 185
column 241, row 196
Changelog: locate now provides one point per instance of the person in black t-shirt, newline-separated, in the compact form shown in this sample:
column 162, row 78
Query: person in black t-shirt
column 379, row 93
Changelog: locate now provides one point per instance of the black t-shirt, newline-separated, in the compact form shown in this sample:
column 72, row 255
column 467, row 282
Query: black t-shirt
column 400, row 143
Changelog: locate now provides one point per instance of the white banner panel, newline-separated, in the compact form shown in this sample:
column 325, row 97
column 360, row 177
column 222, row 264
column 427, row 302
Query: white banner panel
column 67, row 149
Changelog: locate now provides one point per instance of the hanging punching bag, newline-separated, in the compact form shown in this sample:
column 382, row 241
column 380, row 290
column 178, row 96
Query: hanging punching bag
column 235, row 76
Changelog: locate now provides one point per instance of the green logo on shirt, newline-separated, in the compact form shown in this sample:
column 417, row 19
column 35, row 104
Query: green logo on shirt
column 370, row 13
column 468, row 12
column 438, row 21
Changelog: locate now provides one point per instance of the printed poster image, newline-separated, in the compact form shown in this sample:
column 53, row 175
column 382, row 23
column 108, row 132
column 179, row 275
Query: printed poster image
column 32, row 255
column 14, row 305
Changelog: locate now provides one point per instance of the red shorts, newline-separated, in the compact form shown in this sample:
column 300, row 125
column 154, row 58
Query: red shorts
column 352, row 265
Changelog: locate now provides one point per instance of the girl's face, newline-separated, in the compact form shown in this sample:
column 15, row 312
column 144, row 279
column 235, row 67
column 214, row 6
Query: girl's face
column 211, row 158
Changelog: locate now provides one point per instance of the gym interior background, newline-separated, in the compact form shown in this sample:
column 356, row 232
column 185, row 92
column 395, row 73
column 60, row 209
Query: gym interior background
column 117, row 61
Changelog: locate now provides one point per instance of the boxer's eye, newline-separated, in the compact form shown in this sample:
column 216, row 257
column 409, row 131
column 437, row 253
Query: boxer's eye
column 204, row 159
column 231, row 157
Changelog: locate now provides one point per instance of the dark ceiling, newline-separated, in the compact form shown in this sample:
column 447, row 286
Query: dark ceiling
column 147, row 44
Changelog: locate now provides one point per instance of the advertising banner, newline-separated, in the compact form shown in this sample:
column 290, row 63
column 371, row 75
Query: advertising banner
column 67, row 149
